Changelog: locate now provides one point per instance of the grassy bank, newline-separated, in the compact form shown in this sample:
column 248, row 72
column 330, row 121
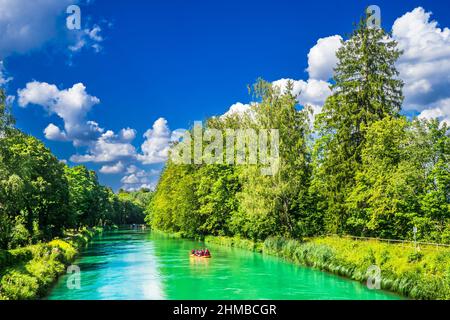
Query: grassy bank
column 420, row 275
column 174, row 235
column 29, row 272
column 236, row 242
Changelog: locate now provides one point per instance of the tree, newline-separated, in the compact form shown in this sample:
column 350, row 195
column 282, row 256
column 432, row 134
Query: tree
column 384, row 201
column 435, row 200
column 6, row 118
column 80, row 194
column 175, row 205
column 403, row 181
column 277, row 204
column 216, row 194
column 36, row 189
column 366, row 89
column 40, row 197
column 133, row 205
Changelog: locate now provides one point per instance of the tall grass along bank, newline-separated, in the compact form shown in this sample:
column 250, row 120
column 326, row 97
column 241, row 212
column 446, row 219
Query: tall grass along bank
column 29, row 272
column 422, row 273
column 236, row 242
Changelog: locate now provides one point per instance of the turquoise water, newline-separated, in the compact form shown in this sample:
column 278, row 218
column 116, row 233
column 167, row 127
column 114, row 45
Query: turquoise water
column 132, row 264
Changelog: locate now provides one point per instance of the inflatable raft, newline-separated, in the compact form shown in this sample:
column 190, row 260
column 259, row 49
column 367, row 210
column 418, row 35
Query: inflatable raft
column 204, row 257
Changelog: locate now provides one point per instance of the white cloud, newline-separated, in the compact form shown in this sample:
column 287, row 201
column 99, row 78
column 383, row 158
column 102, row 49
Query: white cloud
column 151, row 186
column 322, row 58
column 131, row 179
column 52, row 132
column 237, row 109
column 10, row 99
column 315, row 92
column 424, row 67
column 132, row 169
column 137, row 178
column 78, row 45
column 26, row 25
column 321, row 62
column 107, row 148
column 156, row 146
column 127, row 134
column 132, row 188
column 312, row 92
column 4, row 79
column 177, row 134
column 71, row 105
column 425, row 63
column 440, row 110
column 87, row 38
column 113, row 169
column 94, row 33
column 31, row 25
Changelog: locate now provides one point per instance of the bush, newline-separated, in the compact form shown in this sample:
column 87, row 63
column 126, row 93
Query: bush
column 16, row 285
column 415, row 257
column 5, row 259
column 20, row 255
column 19, row 235
column 28, row 273
column 65, row 252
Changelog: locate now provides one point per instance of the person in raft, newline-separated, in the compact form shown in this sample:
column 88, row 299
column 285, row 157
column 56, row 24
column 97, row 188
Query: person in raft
column 201, row 253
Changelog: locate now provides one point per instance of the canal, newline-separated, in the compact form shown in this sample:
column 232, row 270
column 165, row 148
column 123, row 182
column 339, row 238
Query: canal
column 139, row 264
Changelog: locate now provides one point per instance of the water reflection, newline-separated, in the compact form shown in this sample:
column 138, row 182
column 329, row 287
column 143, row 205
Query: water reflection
column 116, row 266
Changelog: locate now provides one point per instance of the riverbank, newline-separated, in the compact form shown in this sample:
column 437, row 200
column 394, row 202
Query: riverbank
column 29, row 272
column 423, row 274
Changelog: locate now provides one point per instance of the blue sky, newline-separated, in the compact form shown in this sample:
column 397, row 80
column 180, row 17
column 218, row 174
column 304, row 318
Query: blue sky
column 182, row 61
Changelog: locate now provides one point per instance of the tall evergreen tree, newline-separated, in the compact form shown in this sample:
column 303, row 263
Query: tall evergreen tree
column 366, row 89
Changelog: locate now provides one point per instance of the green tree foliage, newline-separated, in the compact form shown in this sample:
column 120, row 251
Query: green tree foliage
column 366, row 89
column 83, row 190
column 275, row 204
column 131, row 205
column 216, row 194
column 365, row 170
column 40, row 196
column 435, row 200
column 227, row 199
column 175, row 205
column 403, row 181
column 383, row 201
column 36, row 184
